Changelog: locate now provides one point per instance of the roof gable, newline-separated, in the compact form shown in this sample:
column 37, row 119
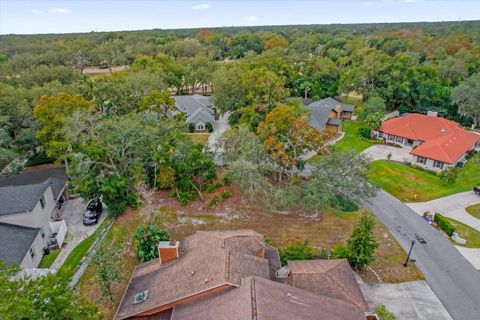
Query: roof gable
column 18, row 199
column 16, row 241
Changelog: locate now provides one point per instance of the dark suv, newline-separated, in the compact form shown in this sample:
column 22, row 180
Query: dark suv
column 93, row 212
column 476, row 190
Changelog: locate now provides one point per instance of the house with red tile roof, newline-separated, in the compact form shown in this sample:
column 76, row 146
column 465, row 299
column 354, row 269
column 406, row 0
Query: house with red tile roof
column 436, row 143
column 231, row 274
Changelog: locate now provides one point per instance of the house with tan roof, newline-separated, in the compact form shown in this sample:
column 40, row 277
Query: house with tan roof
column 218, row 275
column 436, row 143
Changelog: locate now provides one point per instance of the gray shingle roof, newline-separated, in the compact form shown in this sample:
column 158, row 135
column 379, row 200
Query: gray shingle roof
column 198, row 108
column 320, row 110
column 15, row 241
column 16, row 199
column 36, row 175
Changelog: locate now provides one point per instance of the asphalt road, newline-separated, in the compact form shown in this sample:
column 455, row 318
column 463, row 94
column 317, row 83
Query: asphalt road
column 453, row 279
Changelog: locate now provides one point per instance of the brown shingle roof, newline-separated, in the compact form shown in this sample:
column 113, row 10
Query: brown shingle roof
column 262, row 299
column 333, row 278
column 206, row 262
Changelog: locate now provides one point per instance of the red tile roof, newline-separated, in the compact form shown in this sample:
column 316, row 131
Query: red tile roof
column 444, row 140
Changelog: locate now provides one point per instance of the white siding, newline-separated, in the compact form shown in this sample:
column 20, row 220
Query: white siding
column 39, row 217
column 37, row 247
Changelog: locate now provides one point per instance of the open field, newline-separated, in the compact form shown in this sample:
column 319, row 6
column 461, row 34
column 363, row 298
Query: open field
column 280, row 228
column 414, row 185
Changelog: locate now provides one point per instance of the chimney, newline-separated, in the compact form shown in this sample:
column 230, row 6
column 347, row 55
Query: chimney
column 167, row 250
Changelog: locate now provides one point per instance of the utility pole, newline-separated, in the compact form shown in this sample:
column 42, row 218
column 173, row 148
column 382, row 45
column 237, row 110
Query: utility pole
column 405, row 264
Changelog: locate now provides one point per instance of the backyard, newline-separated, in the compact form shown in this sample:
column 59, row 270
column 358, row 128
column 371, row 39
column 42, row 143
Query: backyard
column 414, row 185
column 352, row 140
column 330, row 228
column 200, row 137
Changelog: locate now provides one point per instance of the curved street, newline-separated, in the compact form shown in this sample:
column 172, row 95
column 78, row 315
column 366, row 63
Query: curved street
column 453, row 279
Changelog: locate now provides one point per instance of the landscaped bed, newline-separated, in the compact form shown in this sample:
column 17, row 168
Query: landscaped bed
column 331, row 228
column 471, row 235
column 474, row 210
column 414, row 185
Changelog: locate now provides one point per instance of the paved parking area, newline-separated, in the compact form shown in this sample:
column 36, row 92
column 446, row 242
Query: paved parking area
column 407, row 301
column 71, row 212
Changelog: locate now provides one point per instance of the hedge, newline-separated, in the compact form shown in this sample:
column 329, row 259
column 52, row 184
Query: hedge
column 444, row 224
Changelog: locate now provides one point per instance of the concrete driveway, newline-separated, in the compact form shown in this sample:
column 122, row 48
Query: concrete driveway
column 407, row 301
column 71, row 212
column 380, row 152
column 213, row 145
column 452, row 207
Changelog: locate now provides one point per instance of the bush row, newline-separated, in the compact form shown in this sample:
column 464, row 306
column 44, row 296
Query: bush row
column 444, row 224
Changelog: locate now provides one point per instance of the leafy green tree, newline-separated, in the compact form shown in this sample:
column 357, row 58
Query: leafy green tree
column 160, row 102
column 146, row 239
column 374, row 121
column 52, row 112
column 297, row 250
column 449, row 175
column 466, row 96
column 44, row 298
column 107, row 271
column 327, row 181
column 383, row 313
column 374, row 104
column 362, row 243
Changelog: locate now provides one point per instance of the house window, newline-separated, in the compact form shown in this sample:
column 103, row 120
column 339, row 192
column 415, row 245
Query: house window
column 32, row 253
column 422, row 160
column 399, row 139
column 42, row 233
column 438, row 164
column 42, row 202
column 200, row 126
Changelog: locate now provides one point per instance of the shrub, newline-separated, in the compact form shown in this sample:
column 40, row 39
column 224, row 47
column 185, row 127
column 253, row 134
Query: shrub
column 383, row 313
column 226, row 194
column 365, row 133
column 209, row 127
column 449, row 176
column 191, row 127
column 298, row 250
column 210, row 189
column 444, row 224
column 340, row 251
column 343, row 204
column 227, row 178
column 362, row 244
column 389, row 156
column 185, row 196
column 146, row 239
column 38, row 158
column 215, row 200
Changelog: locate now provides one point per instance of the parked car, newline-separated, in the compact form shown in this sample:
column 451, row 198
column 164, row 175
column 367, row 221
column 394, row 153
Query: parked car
column 476, row 190
column 93, row 212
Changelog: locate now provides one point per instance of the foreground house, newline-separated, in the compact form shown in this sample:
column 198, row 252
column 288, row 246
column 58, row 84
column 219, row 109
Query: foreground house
column 328, row 113
column 218, row 275
column 29, row 217
column 436, row 143
column 198, row 110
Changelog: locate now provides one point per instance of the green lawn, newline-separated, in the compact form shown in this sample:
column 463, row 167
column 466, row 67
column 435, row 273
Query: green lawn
column 48, row 260
column 412, row 185
column 200, row 137
column 474, row 210
column 73, row 260
column 471, row 235
column 352, row 141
